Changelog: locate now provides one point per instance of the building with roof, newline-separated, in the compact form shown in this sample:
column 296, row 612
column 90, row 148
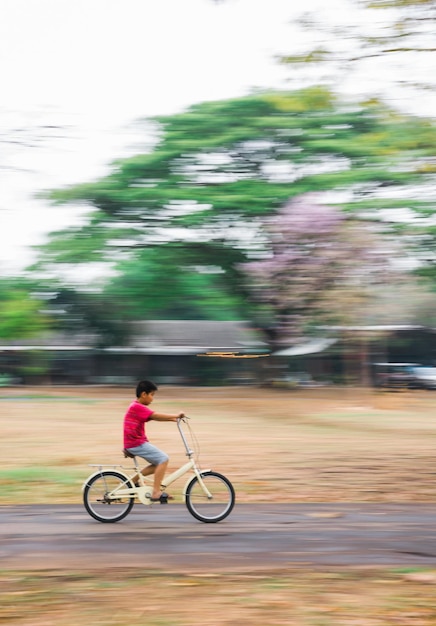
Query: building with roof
column 169, row 351
column 205, row 352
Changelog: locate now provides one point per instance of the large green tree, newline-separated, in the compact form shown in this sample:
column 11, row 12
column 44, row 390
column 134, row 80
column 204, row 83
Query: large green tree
column 190, row 212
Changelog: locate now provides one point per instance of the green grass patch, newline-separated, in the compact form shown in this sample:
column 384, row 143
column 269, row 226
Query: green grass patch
column 410, row 570
column 36, row 474
column 40, row 485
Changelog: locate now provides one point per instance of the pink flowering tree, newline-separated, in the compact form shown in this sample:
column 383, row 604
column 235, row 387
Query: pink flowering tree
column 317, row 267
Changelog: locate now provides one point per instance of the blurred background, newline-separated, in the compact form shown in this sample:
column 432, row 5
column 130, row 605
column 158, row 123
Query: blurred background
column 218, row 192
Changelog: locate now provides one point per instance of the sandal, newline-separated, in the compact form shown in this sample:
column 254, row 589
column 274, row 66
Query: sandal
column 162, row 498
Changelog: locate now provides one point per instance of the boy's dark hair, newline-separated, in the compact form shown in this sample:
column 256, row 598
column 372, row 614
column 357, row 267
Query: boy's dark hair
column 145, row 385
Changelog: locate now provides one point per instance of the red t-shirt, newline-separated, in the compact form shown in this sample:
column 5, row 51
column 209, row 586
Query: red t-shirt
column 134, row 424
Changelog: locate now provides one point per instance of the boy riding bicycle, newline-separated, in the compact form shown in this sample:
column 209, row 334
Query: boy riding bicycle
column 136, row 441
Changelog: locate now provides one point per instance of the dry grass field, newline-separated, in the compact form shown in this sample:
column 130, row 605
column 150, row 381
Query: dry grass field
column 314, row 445
column 282, row 598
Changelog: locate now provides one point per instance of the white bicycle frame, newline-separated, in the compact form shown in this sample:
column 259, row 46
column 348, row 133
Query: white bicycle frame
column 143, row 491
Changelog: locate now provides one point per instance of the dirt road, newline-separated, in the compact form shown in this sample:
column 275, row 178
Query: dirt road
column 254, row 537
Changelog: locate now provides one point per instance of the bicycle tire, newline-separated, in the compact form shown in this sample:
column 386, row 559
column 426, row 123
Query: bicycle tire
column 219, row 506
column 97, row 503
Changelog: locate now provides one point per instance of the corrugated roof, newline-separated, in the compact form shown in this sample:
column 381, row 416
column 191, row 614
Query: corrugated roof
column 157, row 337
column 52, row 341
column 194, row 335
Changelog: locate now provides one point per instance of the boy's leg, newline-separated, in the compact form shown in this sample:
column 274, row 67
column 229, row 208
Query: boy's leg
column 149, row 469
column 158, row 464
column 159, row 473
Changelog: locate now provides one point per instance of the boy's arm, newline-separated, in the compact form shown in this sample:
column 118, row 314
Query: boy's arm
column 166, row 417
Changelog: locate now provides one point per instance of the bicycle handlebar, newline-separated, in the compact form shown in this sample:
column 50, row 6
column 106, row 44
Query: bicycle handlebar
column 189, row 452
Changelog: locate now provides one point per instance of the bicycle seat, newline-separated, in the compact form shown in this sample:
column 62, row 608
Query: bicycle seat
column 128, row 454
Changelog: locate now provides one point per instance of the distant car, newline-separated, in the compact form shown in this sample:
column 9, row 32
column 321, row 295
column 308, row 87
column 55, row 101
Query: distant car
column 394, row 375
column 423, row 377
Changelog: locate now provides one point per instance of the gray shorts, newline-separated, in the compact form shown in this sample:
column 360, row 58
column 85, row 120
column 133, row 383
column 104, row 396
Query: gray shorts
column 150, row 453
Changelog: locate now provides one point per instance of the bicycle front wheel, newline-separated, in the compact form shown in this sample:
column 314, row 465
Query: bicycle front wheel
column 99, row 504
column 213, row 504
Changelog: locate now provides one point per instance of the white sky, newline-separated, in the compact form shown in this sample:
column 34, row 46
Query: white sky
column 97, row 65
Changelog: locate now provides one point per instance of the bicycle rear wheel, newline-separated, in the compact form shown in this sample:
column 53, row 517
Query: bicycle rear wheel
column 97, row 501
column 210, row 509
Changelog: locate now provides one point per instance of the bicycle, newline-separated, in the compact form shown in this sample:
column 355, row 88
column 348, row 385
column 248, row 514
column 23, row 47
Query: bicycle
column 109, row 494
